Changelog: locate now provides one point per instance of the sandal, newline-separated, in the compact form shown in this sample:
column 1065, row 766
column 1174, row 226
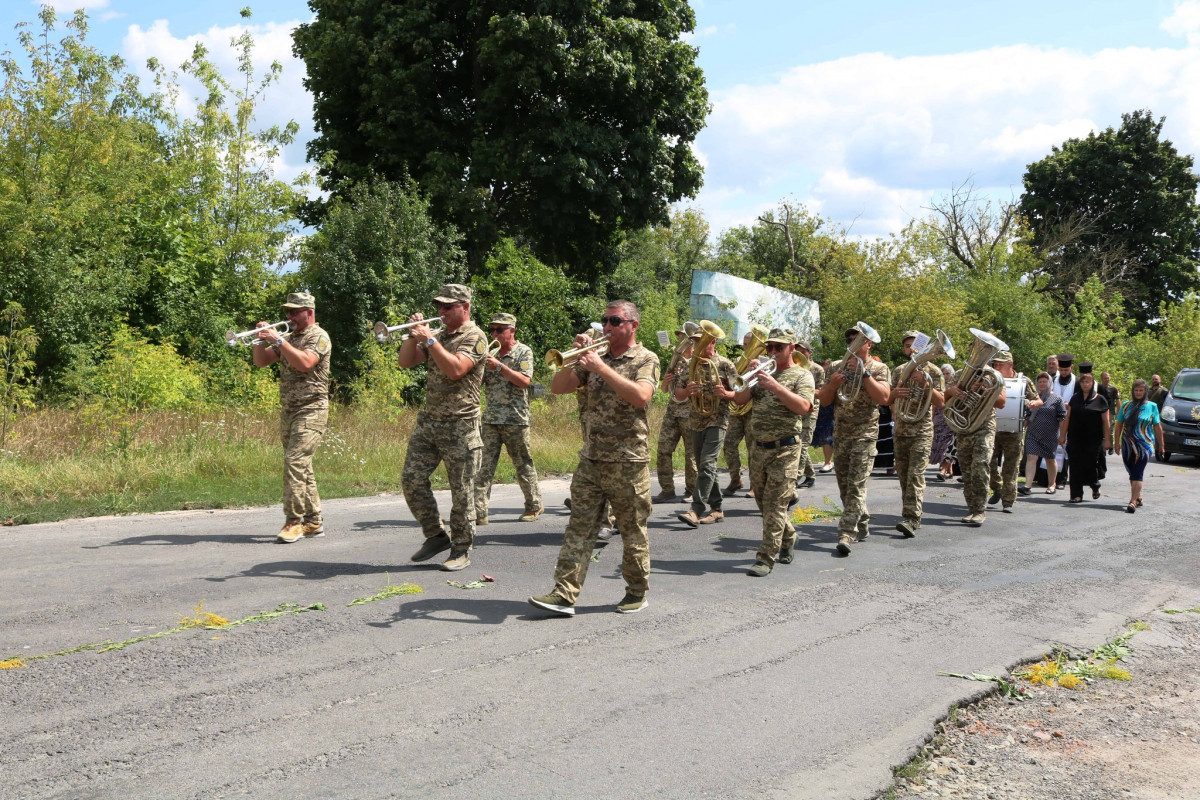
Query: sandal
column 1139, row 502
column 1095, row 492
column 1051, row 490
column 1131, row 508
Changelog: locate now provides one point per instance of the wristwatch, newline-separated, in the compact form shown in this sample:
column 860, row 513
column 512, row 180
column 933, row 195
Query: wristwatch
column 429, row 342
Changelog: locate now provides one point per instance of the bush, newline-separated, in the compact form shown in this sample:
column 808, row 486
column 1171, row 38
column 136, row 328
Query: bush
column 136, row 375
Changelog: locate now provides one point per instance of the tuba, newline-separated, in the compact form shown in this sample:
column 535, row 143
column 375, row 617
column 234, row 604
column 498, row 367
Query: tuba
column 750, row 356
column 967, row 412
column 704, row 370
column 852, row 379
column 556, row 359
column 681, row 346
column 913, row 408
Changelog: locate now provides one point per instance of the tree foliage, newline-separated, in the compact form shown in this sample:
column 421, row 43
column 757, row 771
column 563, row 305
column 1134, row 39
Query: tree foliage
column 17, row 344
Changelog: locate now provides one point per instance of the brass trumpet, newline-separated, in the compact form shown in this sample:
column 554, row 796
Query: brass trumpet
column 750, row 355
column 704, row 370
column 385, row 333
column 560, row 359
column 494, row 348
column 853, row 378
column 250, row 338
column 749, row 379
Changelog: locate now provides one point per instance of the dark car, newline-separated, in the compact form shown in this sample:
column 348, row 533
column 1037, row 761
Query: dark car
column 1181, row 415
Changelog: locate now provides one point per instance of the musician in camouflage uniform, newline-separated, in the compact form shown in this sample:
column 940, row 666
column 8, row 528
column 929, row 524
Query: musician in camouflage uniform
column 675, row 428
column 614, row 464
column 974, row 453
column 707, row 432
column 855, row 431
column 1009, row 446
column 913, row 441
column 507, row 377
column 806, row 475
column 739, row 428
column 303, row 357
column 447, row 429
column 780, row 402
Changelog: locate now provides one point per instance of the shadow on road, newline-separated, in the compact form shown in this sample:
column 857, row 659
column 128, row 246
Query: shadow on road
column 481, row 611
column 318, row 570
column 370, row 525
column 158, row 539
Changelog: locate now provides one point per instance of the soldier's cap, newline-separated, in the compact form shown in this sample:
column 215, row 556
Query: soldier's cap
column 1003, row 357
column 781, row 336
column 852, row 332
column 503, row 319
column 1065, row 359
column 910, row 335
column 803, row 344
column 300, row 300
column 453, row 293
column 1085, row 367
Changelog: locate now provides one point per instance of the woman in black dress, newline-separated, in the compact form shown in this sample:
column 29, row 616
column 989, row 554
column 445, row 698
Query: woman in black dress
column 1087, row 437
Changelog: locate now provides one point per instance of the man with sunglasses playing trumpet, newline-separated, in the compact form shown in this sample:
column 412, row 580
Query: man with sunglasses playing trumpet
column 507, row 377
column 447, row 429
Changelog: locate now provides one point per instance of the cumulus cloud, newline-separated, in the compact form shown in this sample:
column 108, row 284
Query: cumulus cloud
column 70, row 6
column 1185, row 21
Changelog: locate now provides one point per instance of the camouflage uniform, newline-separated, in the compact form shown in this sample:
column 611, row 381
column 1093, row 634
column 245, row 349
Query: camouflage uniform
column 707, row 433
column 855, row 431
column 447, row 432
column 304, row 399
column 614, row 465
column 605, row 518
column 773, row 469
column 913, row 444
column 809, row 425
column 739, row 428
column 974, row 452
column 1006, row 456
column 675, row 427
column 506, row 423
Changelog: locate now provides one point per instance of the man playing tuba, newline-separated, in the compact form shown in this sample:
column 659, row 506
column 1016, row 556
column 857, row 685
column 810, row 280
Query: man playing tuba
column 675, row 428
column 706, row 430
column 974, row 445
column 913, row 440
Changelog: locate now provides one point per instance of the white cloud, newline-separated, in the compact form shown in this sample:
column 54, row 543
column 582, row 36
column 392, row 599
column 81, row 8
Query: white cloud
column 70, row 6
column 1185, row 21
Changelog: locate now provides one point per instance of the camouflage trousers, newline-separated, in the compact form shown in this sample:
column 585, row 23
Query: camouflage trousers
column 808, row 427
column 457, row 444
column 301, row 431
column 515, row 439
column 974, row 455
column 707, row 444
column 1006, row 465
column 773, row 478
column 852, row 463
column 912, row 457
column 674, row 429
column 626, row 485
column 739, row 428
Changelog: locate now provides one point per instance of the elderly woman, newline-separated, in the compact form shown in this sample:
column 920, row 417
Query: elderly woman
column 1086, row 436
column 1139, row 430
column 942, row 451
column 1041, row 436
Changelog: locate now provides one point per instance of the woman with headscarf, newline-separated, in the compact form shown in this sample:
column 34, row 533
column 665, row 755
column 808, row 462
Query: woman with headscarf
column 942, row 451
column 1042, row 432
column 1086, row 437
column 1139, row 430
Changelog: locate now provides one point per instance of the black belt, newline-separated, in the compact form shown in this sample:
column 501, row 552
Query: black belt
column 784, row 442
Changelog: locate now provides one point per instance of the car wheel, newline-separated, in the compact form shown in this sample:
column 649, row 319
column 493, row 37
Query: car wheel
column 1163, row 458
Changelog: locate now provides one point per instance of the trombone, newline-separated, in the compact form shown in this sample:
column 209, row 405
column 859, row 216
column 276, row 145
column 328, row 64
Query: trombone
column 560, row 359
column 250, row 338
column 385, row 333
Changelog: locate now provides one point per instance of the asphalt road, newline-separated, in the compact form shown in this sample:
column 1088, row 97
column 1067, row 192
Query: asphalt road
column 809, row 683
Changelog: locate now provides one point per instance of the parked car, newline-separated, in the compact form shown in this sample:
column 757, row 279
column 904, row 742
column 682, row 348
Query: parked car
column 1181, row 415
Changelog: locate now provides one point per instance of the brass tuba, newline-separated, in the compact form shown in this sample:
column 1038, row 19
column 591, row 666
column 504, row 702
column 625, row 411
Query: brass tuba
column 980, row 384
column 681, row 346
column 704, row 370
column 750, row 356
column 913, row 408
column 852, row 379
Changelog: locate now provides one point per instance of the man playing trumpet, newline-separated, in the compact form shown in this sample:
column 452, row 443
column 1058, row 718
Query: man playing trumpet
column 706, row 430
column 913, row 440
column 507, row 377
column 974, row 449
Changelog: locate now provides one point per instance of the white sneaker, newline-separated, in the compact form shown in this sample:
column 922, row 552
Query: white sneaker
column 608, row 533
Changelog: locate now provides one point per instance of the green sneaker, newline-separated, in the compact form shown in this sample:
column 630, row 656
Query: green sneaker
column 907, row 528
column 554, row 602
column 432, row 546
column 787, row 554
column 761, row 569
column 631, row 604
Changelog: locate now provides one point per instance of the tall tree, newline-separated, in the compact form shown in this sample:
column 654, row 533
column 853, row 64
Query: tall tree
column 556, row 122
column 1123, row 195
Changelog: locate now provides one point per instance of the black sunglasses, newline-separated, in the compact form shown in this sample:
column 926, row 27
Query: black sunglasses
column 497, row 328
column 614, row 321
column 445, row 306
column 773, row 346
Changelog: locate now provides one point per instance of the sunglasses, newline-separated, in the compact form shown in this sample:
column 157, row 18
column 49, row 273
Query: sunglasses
column 774, row 346
column 497, row 328
column 445, row 306
column 614, row 321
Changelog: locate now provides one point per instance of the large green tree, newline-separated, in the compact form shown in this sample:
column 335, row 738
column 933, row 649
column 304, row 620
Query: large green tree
column 553, row 121
column 1120, row 204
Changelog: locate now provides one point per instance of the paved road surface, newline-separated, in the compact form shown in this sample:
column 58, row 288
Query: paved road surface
column 809, row 683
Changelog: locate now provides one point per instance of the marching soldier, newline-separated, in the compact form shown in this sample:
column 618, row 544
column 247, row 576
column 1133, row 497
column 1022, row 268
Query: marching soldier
column 507, row 377
column 805, row 473
column 855, row 431
column 303, row 357
column 1007, row 451
column 739, row 428
column 447, row 429
column 675, row 428
column 974, row 453
column 780, row 401
column 707, row 433
column 614, row 464
column 913, row 441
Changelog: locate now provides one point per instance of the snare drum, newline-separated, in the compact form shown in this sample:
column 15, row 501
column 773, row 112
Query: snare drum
column 1011, row 418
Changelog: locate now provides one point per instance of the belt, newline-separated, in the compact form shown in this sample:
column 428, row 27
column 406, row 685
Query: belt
column 784, row 442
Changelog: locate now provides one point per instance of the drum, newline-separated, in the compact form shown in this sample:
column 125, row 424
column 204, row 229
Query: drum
column 1011, row 418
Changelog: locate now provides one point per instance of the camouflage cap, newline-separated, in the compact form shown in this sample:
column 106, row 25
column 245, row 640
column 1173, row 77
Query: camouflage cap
column 803, row 344
column 503, row 319
column 910, row 335
column 453, row 293
column 781, row 336
column 1003, row 357
column 300, row 300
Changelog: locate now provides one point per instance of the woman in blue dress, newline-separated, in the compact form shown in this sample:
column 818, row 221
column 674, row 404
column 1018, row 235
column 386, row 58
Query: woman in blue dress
column 1139, row 430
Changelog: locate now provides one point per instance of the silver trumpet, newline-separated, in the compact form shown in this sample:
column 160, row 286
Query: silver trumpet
column 749, row 378
column 852, row 379
column 385, row 333
column 250, row 338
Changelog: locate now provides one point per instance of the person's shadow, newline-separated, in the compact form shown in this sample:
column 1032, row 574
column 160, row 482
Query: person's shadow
column 160, row 539
column 472, row 611
column 318, row 570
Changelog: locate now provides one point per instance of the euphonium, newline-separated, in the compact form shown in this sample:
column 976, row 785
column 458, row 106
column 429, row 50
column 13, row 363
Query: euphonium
column 980, row 384
column 681, row 346
column 250, row 338
column 557, row 360
column 704, row 370
column 852, row 379
column 750, row 356
column 913, row 408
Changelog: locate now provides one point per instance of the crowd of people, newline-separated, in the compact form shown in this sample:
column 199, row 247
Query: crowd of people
column 779, row 403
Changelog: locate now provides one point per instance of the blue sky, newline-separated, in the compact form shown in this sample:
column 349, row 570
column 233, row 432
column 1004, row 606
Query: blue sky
column 864, row 112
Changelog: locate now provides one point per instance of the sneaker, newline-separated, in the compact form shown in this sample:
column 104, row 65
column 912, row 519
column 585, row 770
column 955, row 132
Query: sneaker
column 554, row 602
column 456, row 562
column 731, row 489
column 787, row 554
column 664, row 497
column 862, row 535
column 843, row 545
column 291, row 532
column 808, row 482
column 687, row 496
column 713, row 516
column 312, row 530
column 907, row 528
column 480, row 519
column 1024, row 491
column 631, row 604
column 966, row 520
column 1006, row 508
column 761, row 569
column 689, row 518
column 432, row 546
column 530, row 516
column 975, row 520
column 995, row 498
column 607, row 533
column 826, row 468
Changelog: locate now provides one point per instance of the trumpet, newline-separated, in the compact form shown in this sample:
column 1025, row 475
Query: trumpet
column 913, row 408
column 250, row 338
column 749, row 379
column 853, row 378
column 559, row 359
column 494, row 348
column 681, row 347
column 385, row 333
column 756, row 347
column 704, row 370
column 981, row 385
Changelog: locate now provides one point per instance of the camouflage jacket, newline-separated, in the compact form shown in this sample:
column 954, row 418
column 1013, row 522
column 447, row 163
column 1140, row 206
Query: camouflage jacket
column 508, row 404
column 924, row 427
column 698, row 421
column 447, row 399
column 860, row 419
column 680, row 409
column 772, row 419
column 818, row 373
column 306, row 389
column 615, row 430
